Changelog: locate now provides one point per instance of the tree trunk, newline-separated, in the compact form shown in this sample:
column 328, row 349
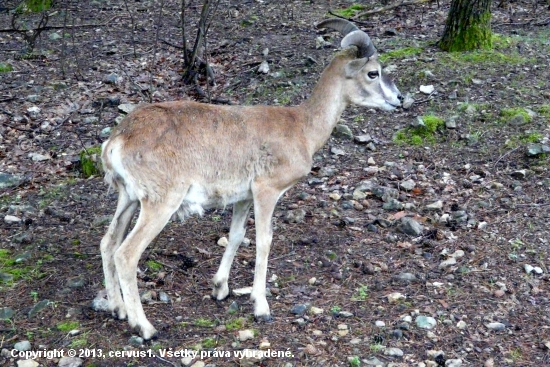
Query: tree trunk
column 468, row 26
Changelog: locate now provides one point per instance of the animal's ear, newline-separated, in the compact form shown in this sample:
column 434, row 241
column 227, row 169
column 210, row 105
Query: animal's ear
column 354, row 66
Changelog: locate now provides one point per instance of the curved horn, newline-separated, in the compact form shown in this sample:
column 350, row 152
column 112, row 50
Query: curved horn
column 353, row 36
column 341, row 25
column 362, row 41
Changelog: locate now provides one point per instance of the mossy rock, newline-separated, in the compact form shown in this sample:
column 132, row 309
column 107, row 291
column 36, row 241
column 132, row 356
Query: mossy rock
column 90, row 161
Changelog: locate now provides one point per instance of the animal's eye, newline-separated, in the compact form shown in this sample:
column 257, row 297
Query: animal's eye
column 373, row 74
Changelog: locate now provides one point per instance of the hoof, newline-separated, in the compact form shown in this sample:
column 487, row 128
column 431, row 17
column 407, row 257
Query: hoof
column 219, row 300
column 119, row 314
column 145, row 334
column 263, row 319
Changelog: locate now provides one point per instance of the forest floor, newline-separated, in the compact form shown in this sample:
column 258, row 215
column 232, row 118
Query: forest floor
column 349, row 285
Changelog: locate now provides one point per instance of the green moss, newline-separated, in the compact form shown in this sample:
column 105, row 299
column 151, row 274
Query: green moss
column 209, row 343
column 33, row 6
column 533, row 137
column 67, row 326
column 90, row 161
column 476, row 36
column 484, row 57
column 204, row 322
column 153, row 265
column 351, row 11
column 544, row 110
column 235, row 324
column 421, row 134
column 507, row 114
column 5, row 68
column 401, row 53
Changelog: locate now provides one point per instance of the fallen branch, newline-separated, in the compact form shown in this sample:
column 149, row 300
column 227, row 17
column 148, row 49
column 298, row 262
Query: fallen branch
column 390, row 7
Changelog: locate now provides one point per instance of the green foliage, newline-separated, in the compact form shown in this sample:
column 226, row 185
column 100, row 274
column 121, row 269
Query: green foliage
column 401, row 53
column 204, row 322
column 235, row 324
column 90, row 161
column 209, row 343
column 153, row 265
column 33, row 6
column 5, row 67
column 351, row 11
column 12, row 271
column 421, row 134
column 362, row 294
column 66, row 326
column 354, row 361
column 544, row 110
column 335, row 309
column 532, row 137
column 509, row 113
column 375, row 348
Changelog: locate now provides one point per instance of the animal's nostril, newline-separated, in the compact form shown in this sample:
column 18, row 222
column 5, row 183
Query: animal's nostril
column 400, row 97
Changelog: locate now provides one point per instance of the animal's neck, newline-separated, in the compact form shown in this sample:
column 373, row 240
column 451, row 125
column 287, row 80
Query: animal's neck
column 325, row 106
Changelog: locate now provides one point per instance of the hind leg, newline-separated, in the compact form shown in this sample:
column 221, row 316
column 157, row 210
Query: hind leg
column 109, row 244
column 152, row 219
column 236, row 236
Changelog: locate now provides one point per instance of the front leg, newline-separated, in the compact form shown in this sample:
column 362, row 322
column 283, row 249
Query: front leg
column 265, row 199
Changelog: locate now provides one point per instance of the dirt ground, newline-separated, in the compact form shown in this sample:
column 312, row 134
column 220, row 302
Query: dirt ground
column 349, row 285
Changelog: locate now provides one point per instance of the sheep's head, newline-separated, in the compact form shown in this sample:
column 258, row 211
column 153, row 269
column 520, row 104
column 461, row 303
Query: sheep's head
column 368, row 85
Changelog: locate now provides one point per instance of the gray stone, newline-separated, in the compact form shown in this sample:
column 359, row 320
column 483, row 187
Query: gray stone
column 363, row 139
column 75, row 283
column 393, row 352
column 373, row 361
column 345, row 314
column 22, row 346
column 27, row 363
column 326, row 172
column 393, row 204
column 22, row 257
column 100, row 304
column 135, row 341
column 111, row 78
column 337, row 151
column 396, row 334
column 385, row 193
column 496, row 326
column 449, row 262
column 435, row 206
column 425, row 322
column 299, row 309
column 6, row 313
column 90, row 120
column 410, row 227
column 408, row 101
column 127, row 107
column 407, row 185
column 536, row 149
column 38, row 307
column 295, row 216
column 518, row 120
column 450, row 123
column 164, row 297
column 33, row 98
column 70, row 362
column 11, row 219
column 104, row 134
column 147, row 296
column 342, row 131
column 453, row 363
column 406, row 277
column 233, row 308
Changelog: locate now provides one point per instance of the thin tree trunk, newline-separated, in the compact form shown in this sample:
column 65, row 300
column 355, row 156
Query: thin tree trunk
column 468, row 26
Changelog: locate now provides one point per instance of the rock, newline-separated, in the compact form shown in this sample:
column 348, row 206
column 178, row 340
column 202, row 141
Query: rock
column 264, row 344
column 396, row 334
column 242, row 291
column 90, row 120
column 33, row 111
column 100, row 305
column 406, row 277
column 363, row 139
column 22, row 346
column 449, row 262
column 135, row 341
column 245, row 335
column 299, row 309
column 27, row 363
column 489, row 363
column 105, row 133
column 528, row 268
column 426, row 89
column 147, row 296
column 482, row 225
column 435, row 206
column 223, row 242
column 111, row 78
column 335, row 196
column 410, row 227
column 395, row 297
column 453, row 363
column 9, row 180
column 407, row 185
column 518, row 120
column 373, row 361
column 358, row 195
column 337, row 151
column 408, row 101
column 393, row 204
column 496, row 326
column 450, row 123
column 263, row 68
column 538, row 270
column 461, row 325
column 342, row 131
column 295, row 216
column 380, row 324
column 345, row 314
column 127, row 107
column 186, row 361
column 70, row 362
column 11, row 219
column 536, row 149
column 6, row 313
column 199, row 364
column 312, row 281
column 519, row 174
column 326, row 172
column 38, row 307
column 316, row 310
column 164, row 297
column 384, row 193
column 393, row 352
column 425, row 322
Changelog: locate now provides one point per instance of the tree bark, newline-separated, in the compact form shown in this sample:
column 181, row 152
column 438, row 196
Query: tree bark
column 468, row 26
